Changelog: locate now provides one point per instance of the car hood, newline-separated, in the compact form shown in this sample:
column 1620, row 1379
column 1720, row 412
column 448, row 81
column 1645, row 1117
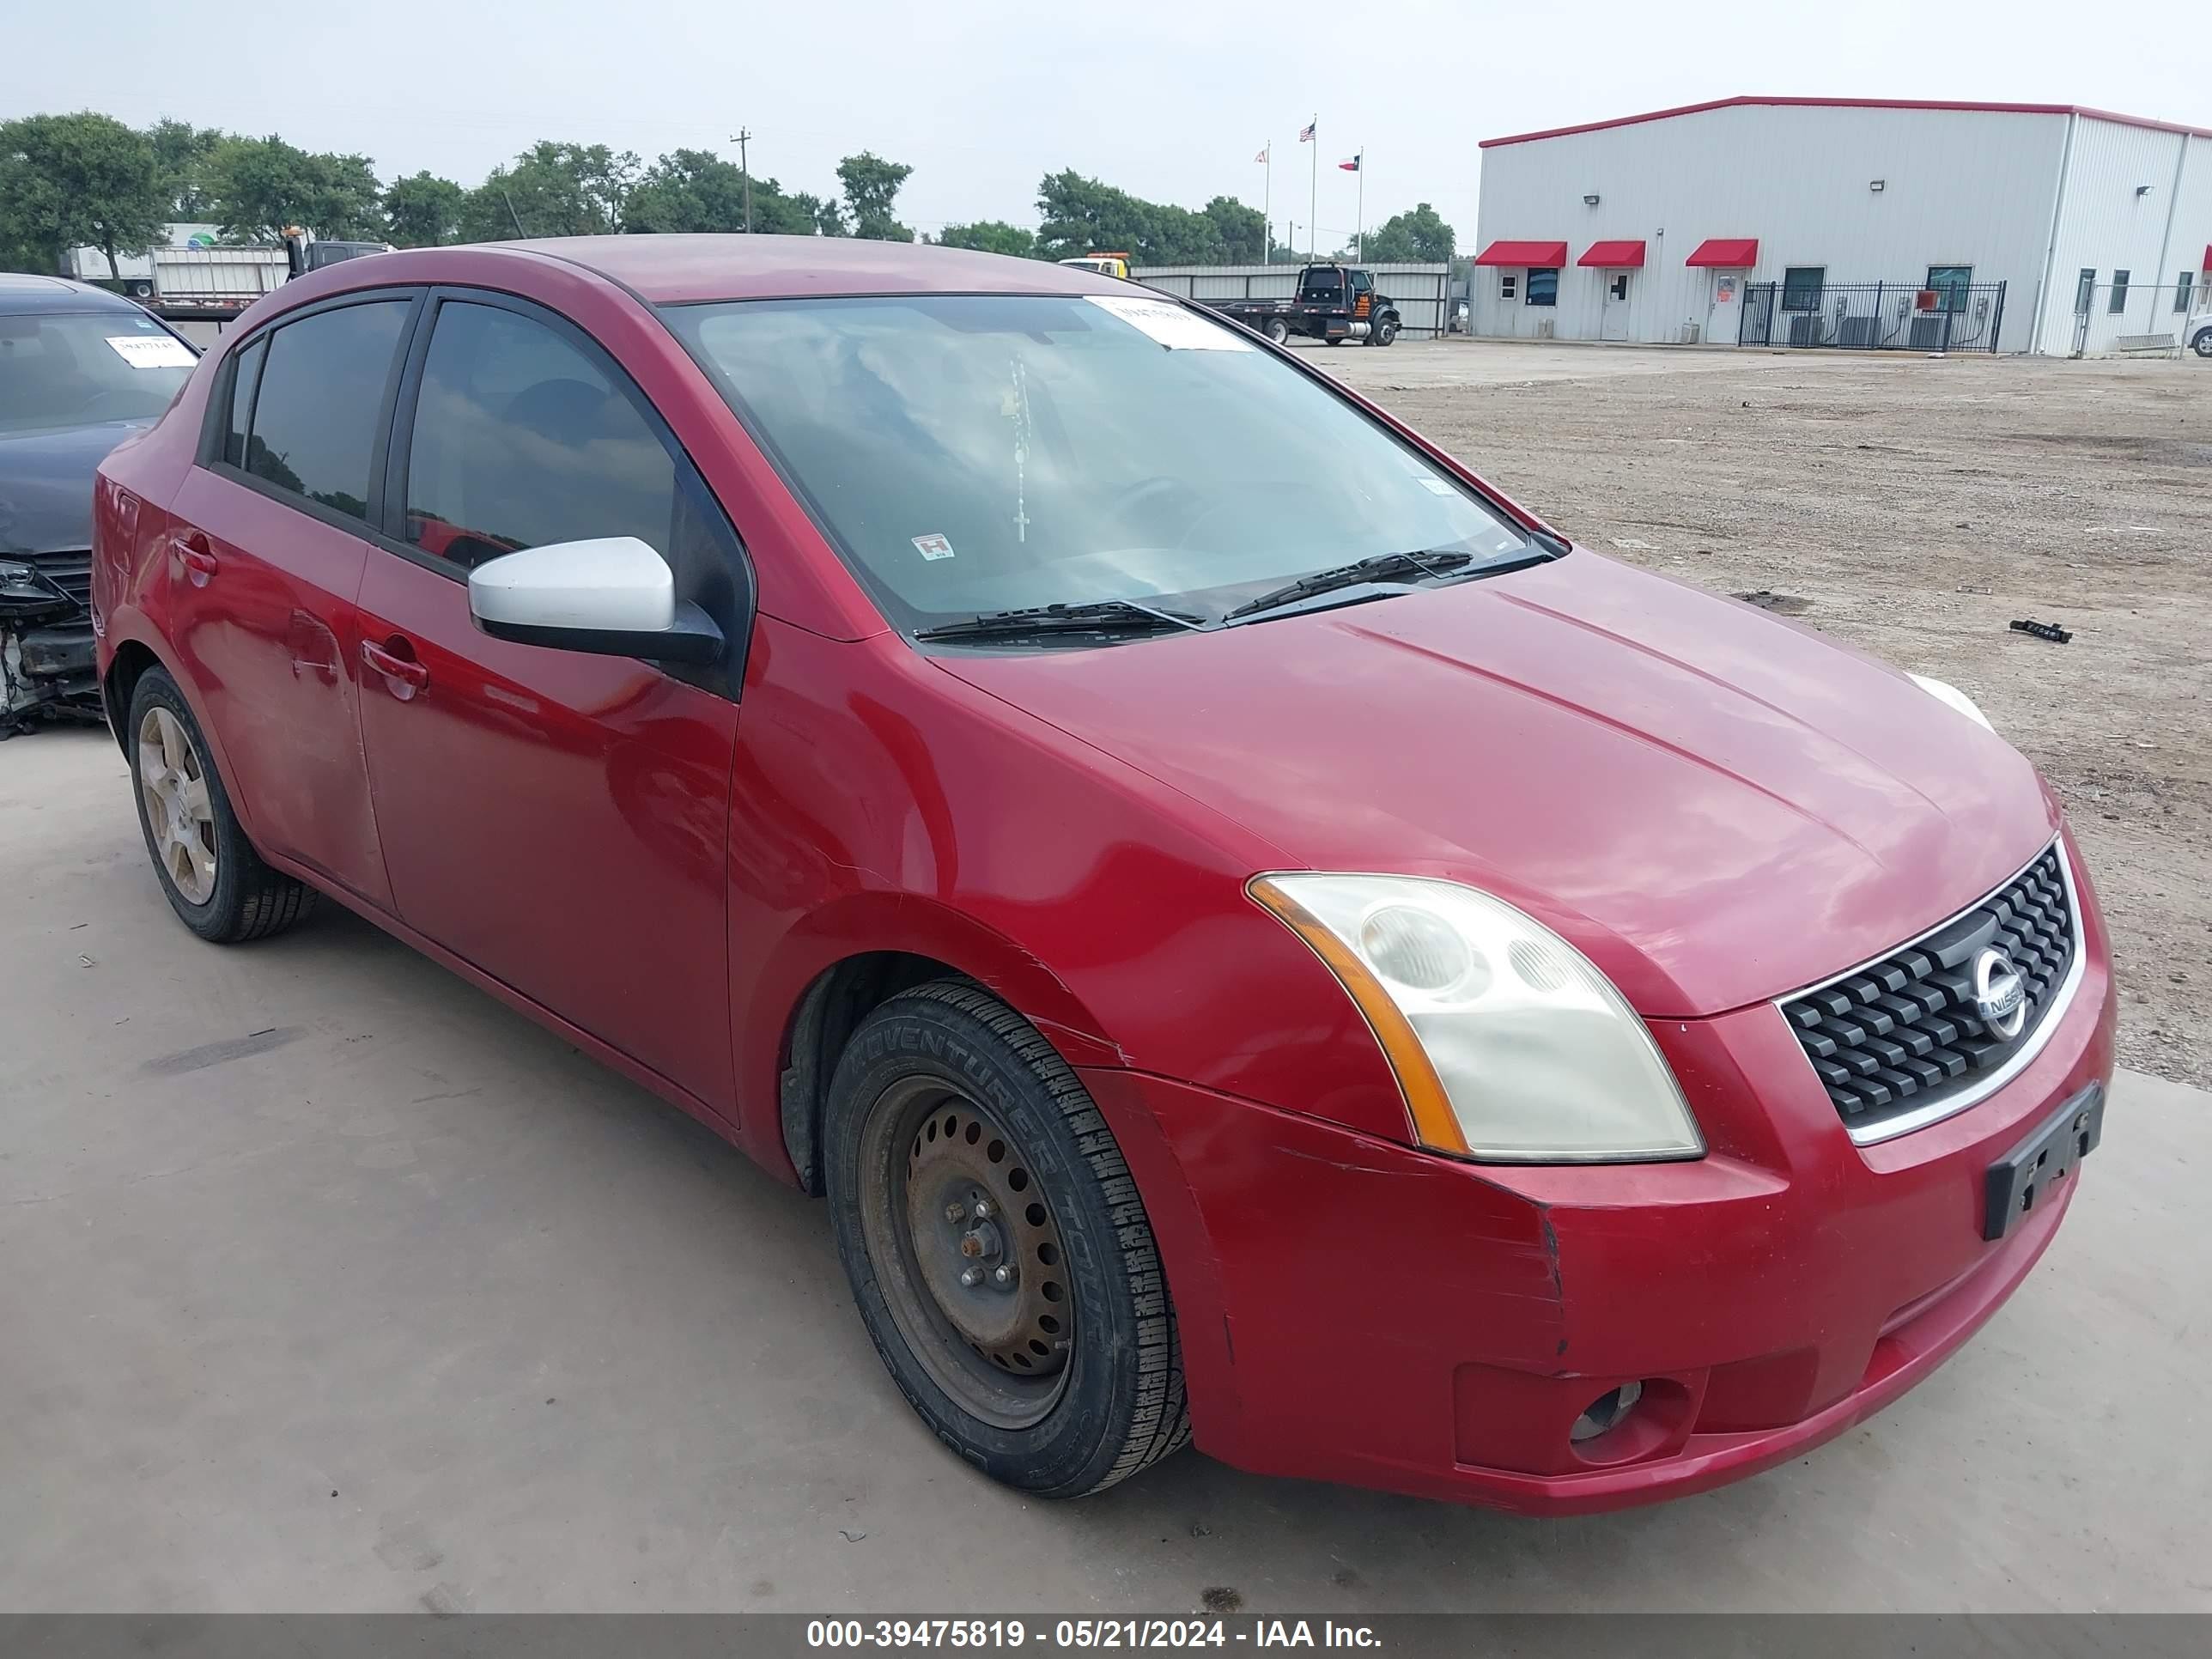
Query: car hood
column 1715, row 805
column 45, row 485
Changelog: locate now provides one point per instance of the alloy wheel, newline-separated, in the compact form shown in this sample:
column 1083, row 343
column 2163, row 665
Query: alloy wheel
column 179, row 816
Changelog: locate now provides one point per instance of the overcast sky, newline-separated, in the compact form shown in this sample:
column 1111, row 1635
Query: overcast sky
column 1171, row 101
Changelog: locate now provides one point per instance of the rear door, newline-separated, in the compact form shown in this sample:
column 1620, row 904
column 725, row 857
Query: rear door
column 266, row 558
column 559, row 820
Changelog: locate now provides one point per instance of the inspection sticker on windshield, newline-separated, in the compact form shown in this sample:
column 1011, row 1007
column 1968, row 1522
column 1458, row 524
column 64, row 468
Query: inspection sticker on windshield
column 932, row 547
column 1171, row 325
column 1435, row 485
column 152, row 351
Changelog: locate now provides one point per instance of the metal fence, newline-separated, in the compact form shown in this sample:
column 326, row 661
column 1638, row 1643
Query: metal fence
column 1418, row 291
column 1874, row 316
column 2142, row 319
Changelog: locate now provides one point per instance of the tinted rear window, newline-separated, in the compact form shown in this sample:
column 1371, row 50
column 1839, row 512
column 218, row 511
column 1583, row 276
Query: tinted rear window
column 322, row 390
column 244, row 377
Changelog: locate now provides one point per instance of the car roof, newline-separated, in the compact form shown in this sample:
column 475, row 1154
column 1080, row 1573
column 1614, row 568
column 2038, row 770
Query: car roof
column 674, row 270
column 21, row 293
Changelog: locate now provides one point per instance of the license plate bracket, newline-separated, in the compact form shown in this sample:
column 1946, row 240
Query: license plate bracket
column 2030, row 1173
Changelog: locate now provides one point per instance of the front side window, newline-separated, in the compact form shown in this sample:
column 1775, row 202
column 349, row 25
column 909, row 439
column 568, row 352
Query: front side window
column 2118, row 302
column 1949, row 285
column 315, row 415
column 1801, row 286
column 79, row 368
column 521, row 440
column 971, row 453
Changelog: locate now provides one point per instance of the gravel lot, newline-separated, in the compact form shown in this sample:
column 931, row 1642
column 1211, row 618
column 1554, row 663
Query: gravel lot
column 1914, row 508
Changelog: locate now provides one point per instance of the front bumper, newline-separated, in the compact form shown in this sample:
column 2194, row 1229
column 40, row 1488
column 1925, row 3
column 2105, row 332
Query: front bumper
column 45, row 664
column 1352, row 1310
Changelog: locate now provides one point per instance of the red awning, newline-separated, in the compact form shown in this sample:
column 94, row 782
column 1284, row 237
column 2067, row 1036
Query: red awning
column 2205, row 270
column 1726, row 252
column 1540, row 254
column 1613, row 256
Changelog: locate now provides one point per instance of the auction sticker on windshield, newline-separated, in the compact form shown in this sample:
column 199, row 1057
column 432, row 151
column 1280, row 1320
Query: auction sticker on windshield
column 152, row 351
column 932, row 547
column 1171, row 325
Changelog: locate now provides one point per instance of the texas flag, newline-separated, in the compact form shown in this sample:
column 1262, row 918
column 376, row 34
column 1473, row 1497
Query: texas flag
column 1353, row 166
column 1306, row 132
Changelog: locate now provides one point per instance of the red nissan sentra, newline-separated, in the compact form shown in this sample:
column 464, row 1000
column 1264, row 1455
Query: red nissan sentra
column 1256, row 938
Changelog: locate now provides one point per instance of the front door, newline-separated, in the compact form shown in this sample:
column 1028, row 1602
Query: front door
column 1613, row 320
column 266, row 557
column 558, row 820
column 1724, row 307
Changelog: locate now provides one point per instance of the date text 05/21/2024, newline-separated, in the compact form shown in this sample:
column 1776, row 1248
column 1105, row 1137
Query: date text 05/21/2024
column 1086, row 1633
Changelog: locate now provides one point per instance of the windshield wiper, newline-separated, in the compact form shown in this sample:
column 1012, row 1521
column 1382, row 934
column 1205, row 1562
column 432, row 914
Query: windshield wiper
column 1383, row 567
column 1096, row 616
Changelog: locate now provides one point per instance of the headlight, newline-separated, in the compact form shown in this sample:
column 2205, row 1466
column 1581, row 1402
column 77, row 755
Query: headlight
column 1945, row 693
column 1507, row 1042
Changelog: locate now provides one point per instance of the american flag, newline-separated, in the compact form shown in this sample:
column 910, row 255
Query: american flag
column 1306, row 132
column 1261, row 156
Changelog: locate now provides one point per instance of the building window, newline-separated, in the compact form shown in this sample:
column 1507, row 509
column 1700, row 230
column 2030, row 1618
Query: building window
column 1801, row 286
column 2119, row 293
column 1617, row 286
column 1544, row 285
column 1509, row 284
column 1950, row 283
column 2085, row 290
column 2185, row 292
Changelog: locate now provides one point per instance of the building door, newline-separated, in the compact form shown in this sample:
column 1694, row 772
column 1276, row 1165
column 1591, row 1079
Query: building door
column 1724, row 307
column 1613, row 320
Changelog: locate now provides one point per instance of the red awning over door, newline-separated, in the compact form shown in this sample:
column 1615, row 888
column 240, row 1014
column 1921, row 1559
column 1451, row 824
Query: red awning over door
column 1726, row 252
column 1613, row 256
column 1540, row 254
column 2205, row 270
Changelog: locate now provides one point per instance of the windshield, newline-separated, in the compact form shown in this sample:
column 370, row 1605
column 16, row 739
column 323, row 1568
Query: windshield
column 979, row 452
column 74, row 368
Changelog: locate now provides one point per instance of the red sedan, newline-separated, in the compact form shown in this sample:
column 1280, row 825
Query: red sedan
column 1255, row 937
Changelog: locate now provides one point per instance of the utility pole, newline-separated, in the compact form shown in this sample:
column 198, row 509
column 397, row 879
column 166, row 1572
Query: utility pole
column 744, row 134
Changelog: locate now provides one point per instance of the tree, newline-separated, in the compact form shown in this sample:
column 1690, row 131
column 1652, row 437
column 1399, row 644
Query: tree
column 257, row 186
column 183, row 155
column 828, row 215
column 992, row 236
column 553, row 190
column 1243, row 232
column 72, row 180
column 695, row 190
column 423, row 211
column 872, row 188
column 1420, row 237
column 1083, row 215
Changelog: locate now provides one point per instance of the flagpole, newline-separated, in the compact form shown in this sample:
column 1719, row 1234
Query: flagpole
column 1267, row 208
column 1312, row 200
column 1359, row 218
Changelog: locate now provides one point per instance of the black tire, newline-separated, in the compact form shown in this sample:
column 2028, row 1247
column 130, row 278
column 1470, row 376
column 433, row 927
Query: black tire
column 1385, row 332
column 1117, row 1403
column 2202, row 345
column 1278, row 330
column 248, row 900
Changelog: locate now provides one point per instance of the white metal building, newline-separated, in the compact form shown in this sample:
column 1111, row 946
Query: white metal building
column 1847, row 223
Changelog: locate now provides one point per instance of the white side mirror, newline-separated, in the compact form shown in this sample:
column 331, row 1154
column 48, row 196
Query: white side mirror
column 613, row 596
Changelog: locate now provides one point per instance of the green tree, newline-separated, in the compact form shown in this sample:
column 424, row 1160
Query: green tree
column 695, row 190
column 1420, row 237
column 1243, row 232
column 183, row 155
column 423, row 210
column 1083, row 215
column 992, row 236
column 872, row 187
column 827, row 213
column 74, row 180
column 554, row 190
column 257, row 186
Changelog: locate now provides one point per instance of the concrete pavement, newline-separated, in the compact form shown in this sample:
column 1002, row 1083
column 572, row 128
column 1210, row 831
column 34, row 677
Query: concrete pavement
column 328, row 1283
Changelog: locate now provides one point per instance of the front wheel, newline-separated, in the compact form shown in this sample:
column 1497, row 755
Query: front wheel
column 997, row 1248
column 2202, row 345
column 1385, row 331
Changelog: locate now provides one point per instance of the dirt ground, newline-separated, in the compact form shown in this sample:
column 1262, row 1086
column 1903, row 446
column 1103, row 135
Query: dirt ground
column 1915, row 507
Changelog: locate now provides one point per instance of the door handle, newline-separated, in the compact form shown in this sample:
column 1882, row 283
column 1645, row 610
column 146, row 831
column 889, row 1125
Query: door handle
column 198, row 558
column 403, row 675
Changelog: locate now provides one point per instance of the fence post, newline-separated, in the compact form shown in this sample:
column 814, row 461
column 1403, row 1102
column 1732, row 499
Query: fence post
column 1996, row 325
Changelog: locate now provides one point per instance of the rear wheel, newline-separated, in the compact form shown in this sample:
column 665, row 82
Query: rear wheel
column 1278, row 330
column 211, row 874
column 1001, row 1257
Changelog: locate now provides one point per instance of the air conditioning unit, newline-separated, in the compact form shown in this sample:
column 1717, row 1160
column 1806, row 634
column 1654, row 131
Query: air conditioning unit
column 1856, row 331
column 1547, row 328
column 1928, row 331
column 1689, row 334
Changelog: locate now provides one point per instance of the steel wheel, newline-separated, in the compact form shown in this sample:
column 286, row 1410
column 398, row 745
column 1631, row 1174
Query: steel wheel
column 179, row 813
column 2204, row 343
column 969, row 1255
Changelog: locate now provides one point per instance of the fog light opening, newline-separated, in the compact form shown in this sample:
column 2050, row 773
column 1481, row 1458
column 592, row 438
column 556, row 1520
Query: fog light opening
column 1606, row 1412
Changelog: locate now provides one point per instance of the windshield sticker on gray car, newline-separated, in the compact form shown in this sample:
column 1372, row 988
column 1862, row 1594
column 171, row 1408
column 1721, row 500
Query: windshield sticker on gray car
column 152, row 351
